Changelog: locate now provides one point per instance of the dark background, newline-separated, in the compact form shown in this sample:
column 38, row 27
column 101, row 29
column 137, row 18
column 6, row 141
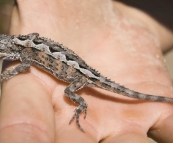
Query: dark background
column 5, row 12
column 161, row 10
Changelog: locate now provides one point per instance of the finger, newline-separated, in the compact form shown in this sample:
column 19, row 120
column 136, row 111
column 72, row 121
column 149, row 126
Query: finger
column 26, row 113
column 131, row 137
column 163, row 131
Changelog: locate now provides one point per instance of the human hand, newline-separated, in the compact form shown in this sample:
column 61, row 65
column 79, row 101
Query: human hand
column 113, row 39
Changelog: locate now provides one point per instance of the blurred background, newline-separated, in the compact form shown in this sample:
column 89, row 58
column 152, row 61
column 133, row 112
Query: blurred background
column 162, row 10
column 5, row 12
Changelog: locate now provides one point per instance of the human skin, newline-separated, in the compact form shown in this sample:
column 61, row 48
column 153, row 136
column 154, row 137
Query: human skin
column 123, row 43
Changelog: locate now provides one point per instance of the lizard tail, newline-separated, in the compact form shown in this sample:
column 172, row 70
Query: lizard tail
column 109, row 85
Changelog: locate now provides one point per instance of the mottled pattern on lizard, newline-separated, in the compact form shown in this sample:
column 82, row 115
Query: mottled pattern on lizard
column 63, row 64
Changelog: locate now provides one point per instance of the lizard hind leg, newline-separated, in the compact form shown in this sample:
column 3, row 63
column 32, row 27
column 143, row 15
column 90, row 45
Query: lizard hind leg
column 77, row 84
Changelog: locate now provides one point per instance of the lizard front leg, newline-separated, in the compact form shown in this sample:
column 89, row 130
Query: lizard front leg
column 16, row 70
column 77, row 84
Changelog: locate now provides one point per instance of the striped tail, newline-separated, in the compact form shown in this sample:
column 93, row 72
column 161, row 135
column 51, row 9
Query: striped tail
column 109, row 85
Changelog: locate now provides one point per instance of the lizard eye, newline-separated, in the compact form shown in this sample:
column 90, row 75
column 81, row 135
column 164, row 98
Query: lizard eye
column 38, row 41
column 22, row 37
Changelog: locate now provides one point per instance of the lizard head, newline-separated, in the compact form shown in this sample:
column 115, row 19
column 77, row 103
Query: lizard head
column 13, row 44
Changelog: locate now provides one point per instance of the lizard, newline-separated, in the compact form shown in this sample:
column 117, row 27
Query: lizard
column 63, row 64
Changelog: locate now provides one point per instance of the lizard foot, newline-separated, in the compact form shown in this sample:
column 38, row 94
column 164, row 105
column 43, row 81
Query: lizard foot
column 78, row 111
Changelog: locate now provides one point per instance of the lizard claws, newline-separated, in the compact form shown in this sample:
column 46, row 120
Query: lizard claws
column 76, row 115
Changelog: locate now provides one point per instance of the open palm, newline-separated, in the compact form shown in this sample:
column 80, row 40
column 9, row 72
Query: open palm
column 110, row 37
